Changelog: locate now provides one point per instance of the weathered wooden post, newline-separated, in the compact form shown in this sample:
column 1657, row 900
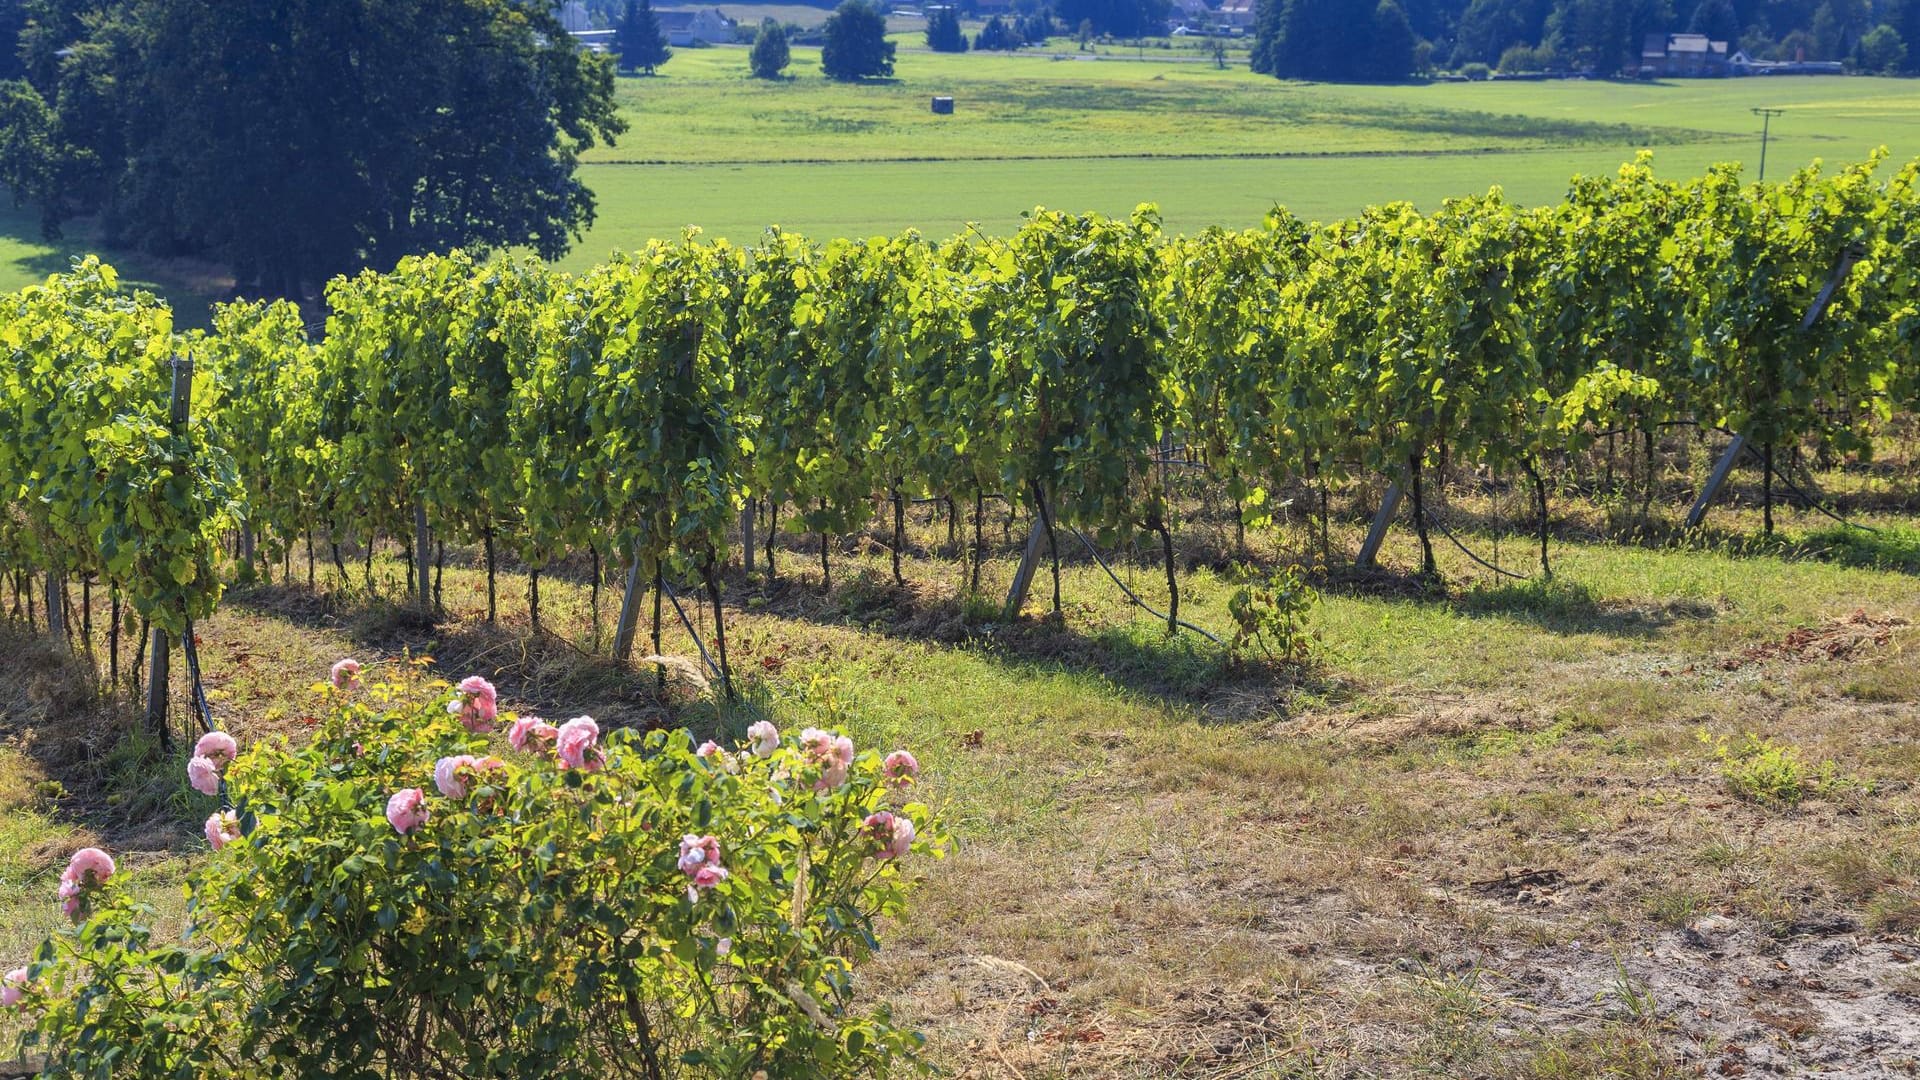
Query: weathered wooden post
column 1382, row 520
column 629, row 611
column 1023, row 577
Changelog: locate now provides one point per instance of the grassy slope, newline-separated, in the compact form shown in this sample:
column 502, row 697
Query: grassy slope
column 1169, row 868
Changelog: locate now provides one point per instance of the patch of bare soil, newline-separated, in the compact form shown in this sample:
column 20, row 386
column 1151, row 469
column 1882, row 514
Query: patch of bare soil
column 1737, row 1002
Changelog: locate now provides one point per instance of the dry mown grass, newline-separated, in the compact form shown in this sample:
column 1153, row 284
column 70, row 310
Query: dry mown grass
column 1482, row 837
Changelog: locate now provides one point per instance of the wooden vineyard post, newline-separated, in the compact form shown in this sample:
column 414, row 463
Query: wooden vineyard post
column 57, row 608
column 629, row 612
column 1382, row 520
column 157, row 645
column 1023, row 577
column 1722, row 468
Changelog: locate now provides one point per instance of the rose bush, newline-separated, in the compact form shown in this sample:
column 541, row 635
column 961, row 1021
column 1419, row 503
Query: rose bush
column 391, row 899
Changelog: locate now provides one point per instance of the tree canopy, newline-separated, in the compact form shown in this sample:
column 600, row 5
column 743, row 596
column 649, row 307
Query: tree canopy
column 770, row 54
column 641, row 45
column 856, row 43
column 295, row 141
column 944, row 33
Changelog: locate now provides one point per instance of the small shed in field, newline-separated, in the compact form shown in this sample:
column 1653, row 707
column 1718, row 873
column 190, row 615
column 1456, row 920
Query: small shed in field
column 943, row 106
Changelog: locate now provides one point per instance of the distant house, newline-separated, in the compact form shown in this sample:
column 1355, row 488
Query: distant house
column 1188, row 14
column 705, row 26
column 1682, row 56
column 1236, row 14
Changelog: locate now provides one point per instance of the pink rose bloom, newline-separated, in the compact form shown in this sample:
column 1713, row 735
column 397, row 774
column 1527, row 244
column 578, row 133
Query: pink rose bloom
column 900, row 768
column 13, row 987
column 817, row 745
column 575, row 743
column 763, row 738
column 345, row 674
column 217, row 747
column 407, row 810
column 530, row 729
column 707, row 749
column 476, row 705
column 446, row 776
column 204, row 775
column 700, row 861
column 89, row 868
column 892, row 833
column 223, row 829
column 833, row 753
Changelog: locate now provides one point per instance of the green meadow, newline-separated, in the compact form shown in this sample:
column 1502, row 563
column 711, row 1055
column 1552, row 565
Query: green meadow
column 712, row 147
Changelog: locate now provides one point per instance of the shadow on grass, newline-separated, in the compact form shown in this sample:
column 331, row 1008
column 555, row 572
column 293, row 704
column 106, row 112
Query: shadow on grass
column 1183, row 670
column 1566, row 607
column 541, row 672
column 103, row 771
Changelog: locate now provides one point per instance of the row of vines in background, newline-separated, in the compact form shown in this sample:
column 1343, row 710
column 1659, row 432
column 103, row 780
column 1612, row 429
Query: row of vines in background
column 632, row 411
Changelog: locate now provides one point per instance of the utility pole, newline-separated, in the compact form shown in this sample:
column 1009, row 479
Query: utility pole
column 1766, row 116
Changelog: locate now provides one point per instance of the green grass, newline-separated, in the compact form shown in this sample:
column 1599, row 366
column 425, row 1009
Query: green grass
column 710, row 146
column 1191, row 856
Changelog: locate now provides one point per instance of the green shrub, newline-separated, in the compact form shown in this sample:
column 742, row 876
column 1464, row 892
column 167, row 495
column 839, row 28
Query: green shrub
column 578, row 907
column 1272, row 613
column 1764, row 771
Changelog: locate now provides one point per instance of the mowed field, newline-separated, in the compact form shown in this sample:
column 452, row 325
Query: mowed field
column 712, row 147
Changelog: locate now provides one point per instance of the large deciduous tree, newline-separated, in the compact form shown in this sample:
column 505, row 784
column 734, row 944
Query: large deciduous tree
column 856, row 46
column 298, row 140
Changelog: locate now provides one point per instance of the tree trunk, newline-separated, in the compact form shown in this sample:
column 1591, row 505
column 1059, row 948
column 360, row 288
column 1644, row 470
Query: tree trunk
column 953, row 524
column 979, row 546
column 826, row 571
column 594, row 603
column 1540, row 505
column 113, row 636
column 533, row 598
column 439, row 574
column 1053, row 545
column 1158, row 523
column 899, row 532
column 368, row 568
column 767, row 545
column 493, row 596
column 659, row 594
column 1766, row 487
column 719, row 626
column 86, row 616
column 309, row 558
column 142, row 646
column 339, row 563
column 1428, row 568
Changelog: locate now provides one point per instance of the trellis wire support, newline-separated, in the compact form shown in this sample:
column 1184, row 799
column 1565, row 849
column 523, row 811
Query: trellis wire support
column 629, row 612
column 1382, row 521
column 1023, row 577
